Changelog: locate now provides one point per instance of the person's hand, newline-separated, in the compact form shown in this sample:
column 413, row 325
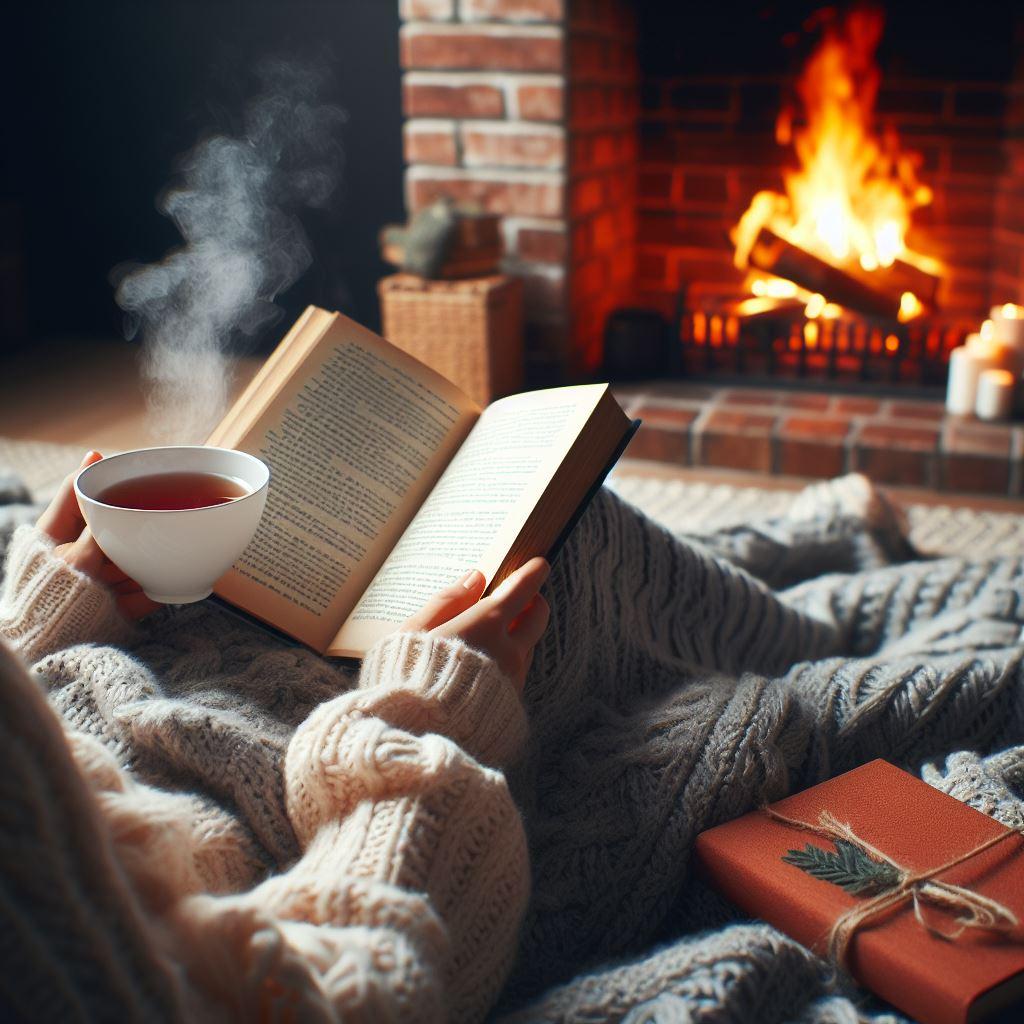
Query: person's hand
column 505, row 625
column 63, row 523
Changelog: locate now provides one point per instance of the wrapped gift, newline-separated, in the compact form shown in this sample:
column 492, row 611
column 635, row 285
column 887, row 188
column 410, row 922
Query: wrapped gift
column 918, row 895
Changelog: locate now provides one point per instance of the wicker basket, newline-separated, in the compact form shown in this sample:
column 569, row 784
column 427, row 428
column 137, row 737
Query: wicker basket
column 470, row 331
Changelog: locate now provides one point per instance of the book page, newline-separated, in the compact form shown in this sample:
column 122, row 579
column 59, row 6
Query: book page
column 354, row 442
column 478, row 507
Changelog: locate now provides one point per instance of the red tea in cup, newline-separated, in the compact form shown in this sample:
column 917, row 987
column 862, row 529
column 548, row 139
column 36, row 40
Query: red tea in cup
column 166, row 492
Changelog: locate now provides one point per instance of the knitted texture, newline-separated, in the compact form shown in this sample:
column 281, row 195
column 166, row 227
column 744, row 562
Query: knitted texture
column 348, row 847
column 711, row 694
column 45, row 605
column 363, row 866
column 75, row 943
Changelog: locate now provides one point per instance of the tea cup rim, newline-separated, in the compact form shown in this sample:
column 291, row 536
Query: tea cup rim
column 170, row 447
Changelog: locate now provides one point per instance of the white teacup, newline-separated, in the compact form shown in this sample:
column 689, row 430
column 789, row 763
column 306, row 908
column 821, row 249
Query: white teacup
column 175, row 555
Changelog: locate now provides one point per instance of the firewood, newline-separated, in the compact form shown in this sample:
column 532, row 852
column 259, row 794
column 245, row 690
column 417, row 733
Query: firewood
column 757, row 308
column 902, row 277
column 776, row 255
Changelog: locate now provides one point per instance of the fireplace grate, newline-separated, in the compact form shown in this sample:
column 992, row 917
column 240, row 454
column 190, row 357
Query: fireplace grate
column 762, row 340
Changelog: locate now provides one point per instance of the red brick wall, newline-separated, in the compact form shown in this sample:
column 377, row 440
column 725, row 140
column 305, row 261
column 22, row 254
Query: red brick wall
column 528, row 107
column 708, row 144
column 1008, row 227
column 603, row 107
column 484, row 101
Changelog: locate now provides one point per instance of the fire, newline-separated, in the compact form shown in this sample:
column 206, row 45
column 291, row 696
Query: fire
column 850, row 199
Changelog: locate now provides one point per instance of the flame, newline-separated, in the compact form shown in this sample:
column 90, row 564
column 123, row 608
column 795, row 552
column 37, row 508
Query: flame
column 910, row 306
column 815, row 306
column 851, row 197
column 773, row 288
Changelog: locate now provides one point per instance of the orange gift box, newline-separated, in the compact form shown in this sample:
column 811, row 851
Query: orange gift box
column 937, row 980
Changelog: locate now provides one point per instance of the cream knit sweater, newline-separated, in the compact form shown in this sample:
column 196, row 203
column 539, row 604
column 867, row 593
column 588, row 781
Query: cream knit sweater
column 411, row 880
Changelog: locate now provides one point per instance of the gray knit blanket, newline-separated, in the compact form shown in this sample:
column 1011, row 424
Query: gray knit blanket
column 683, row 681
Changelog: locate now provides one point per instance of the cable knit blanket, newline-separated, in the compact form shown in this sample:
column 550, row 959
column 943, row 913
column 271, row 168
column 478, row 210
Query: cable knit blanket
column 683, row 681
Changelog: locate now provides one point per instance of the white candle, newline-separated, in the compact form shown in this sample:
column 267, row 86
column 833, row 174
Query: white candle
column 990, row 350
column 994, row 399
column 965, row 367
column 1008, row 324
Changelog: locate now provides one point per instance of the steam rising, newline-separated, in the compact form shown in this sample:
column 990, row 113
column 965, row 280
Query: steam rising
column 236, row 208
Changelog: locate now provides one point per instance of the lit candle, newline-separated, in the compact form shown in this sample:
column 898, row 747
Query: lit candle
column 966, row 365
column 987, row 347
column 1008, row 330
column 995, row 395
column 1008, row 325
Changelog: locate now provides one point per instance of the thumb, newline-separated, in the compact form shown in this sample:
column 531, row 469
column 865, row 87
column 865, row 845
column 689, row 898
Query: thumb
column 85, row 554
column 448, row 603
column 62, row 520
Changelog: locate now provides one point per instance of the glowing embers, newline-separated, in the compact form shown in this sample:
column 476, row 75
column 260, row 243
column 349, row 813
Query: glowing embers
column 782, row 333
column 839, row 229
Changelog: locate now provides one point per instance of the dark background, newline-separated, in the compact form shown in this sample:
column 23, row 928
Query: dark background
column 921, row 39
column 103, row 97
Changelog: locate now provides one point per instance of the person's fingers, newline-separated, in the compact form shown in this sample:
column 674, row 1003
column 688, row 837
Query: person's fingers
column 85, row 554
column 136, row 605
column 124, row 586
column 110, row 574
column 519, row 589
column 62, row 520
column 451, row 601
column 529, row 627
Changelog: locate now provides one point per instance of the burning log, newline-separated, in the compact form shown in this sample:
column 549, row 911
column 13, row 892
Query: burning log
column 902, row 277
column 852, row 193
column 775, row 255
column 756, row 308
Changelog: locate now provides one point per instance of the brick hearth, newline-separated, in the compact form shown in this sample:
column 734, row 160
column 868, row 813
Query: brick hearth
column 911, row 443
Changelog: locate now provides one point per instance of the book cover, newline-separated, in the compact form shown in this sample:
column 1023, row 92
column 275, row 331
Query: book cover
column 926, row 964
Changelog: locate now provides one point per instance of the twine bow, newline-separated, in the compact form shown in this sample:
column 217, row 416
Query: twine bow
column 977, row 910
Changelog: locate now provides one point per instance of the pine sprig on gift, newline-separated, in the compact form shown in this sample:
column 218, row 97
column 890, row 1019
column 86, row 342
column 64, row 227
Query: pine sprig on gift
column 848, row 867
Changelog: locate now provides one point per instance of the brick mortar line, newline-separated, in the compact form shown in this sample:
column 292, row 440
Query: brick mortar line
column 482, row 76
column 430, row 124
column 696, row 431
column 505, row 30
column 511, row 128
column 467, row 18
column 514, row 175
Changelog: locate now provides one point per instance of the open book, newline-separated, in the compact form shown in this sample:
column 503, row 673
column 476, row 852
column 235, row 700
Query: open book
column 388, row 483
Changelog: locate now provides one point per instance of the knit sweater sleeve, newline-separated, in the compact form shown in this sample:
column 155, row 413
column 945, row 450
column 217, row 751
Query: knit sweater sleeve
column 45, row 605
column 414, row 851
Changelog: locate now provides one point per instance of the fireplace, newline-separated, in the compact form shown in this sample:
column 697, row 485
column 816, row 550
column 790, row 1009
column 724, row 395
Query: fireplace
column 904, row 180
column 623, row 143
column 623, row 150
